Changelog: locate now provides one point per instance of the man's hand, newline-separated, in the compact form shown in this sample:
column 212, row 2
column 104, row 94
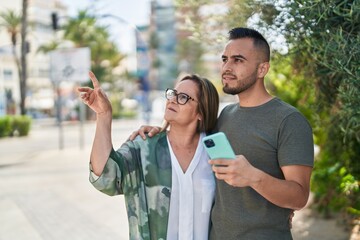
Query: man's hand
column 235, row 172
column 150, row 130
column 291, row 192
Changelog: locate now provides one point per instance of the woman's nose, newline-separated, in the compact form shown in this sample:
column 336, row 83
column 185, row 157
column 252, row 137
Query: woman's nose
column 173, row 99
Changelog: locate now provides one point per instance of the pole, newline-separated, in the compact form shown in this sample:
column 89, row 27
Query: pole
column 81, row 128
column 59, row 116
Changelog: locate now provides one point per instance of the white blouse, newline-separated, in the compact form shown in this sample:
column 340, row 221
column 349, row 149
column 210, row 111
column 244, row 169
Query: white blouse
column 192, row 196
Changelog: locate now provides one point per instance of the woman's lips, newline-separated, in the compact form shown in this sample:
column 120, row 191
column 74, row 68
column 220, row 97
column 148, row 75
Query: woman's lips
column 171, row 109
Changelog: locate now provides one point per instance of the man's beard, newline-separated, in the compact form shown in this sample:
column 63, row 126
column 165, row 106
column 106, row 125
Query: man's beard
column 242, row 85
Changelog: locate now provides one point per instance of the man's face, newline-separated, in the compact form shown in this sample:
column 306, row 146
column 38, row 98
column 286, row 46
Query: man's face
column 240, row 64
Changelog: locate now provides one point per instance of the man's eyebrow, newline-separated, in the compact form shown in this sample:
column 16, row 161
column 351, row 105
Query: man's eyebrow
column 238, row 56
column 234, row 56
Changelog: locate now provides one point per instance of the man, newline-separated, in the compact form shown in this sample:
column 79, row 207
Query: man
column 270, row 177
column 274, row 146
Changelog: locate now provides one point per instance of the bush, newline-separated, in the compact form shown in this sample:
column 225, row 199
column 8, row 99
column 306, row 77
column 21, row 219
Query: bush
column 14, row 126
column 128, row 114
column 5, row 126
column 21, row 125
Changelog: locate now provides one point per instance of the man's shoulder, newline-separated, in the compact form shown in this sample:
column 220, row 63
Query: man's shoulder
column 285, row 112
column 230, row 107
column 283, row 107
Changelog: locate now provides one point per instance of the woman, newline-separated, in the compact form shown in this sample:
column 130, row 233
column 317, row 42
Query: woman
column 166, row 180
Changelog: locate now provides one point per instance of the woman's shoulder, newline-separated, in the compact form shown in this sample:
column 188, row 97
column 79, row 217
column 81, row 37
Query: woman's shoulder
column 160, row 137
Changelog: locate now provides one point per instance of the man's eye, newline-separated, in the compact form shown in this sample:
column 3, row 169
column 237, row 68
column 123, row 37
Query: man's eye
column 224, row 59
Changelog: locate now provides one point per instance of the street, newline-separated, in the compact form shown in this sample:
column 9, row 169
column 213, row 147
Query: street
column 45, row 193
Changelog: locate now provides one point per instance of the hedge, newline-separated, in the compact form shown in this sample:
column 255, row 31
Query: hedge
column 14, row 125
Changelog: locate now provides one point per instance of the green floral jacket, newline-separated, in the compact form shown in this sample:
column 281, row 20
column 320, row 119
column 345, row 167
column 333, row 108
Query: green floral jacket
column 141, row 170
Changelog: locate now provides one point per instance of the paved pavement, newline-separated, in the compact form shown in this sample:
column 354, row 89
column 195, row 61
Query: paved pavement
column 45, row 193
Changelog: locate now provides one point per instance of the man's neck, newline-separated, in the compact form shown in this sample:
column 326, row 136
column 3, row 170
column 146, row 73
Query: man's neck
column 254, row 100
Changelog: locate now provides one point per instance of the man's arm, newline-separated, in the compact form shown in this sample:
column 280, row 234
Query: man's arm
column 293, row 192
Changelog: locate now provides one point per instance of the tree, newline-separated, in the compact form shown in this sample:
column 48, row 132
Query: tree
column 84, row 31
column 48, row 47
column 15, row 23
column 24, row 50
column 325, row 36
column 11, row 21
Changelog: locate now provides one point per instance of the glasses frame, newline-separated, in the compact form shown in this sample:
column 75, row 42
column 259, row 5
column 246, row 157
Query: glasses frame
column 177, row 96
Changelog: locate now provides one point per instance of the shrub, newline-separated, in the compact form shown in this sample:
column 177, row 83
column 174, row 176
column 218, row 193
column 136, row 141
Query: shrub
column 5, row 126
column 14, row 126
column 21, row 125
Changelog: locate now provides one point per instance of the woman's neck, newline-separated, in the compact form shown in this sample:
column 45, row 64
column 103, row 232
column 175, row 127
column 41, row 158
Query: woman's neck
column 184, row 145
column 183, row 137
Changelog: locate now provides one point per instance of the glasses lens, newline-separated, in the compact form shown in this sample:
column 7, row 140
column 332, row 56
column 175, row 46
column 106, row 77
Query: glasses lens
column 170, row 93
column 182, row 98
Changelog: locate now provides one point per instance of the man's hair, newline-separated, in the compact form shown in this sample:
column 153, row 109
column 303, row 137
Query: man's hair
column 258, row 39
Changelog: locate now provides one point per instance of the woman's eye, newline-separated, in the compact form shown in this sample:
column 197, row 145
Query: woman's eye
column 182, row 97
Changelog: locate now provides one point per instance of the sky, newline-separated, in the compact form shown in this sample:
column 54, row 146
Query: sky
column 131, row 12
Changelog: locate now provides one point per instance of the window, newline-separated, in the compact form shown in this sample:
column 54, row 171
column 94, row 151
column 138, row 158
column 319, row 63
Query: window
column 8, row 74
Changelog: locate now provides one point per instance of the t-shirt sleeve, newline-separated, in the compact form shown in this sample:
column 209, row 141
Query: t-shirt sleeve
column 296, row 145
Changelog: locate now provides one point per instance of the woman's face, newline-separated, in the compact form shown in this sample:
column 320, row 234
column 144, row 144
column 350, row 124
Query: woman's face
column 186, row 114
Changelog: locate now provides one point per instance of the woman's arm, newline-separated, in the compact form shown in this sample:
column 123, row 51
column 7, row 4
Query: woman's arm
column 97, row 100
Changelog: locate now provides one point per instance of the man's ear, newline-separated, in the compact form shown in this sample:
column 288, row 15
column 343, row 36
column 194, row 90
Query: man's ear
column 263, row 69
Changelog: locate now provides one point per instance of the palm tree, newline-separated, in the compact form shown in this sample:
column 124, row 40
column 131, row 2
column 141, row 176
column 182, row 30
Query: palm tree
column 23, row 78
column 11, row 21
column 46, row 48
column 14, row 24
column 84, row 31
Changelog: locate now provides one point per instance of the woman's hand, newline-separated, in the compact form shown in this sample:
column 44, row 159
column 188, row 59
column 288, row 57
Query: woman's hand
column 95, row 98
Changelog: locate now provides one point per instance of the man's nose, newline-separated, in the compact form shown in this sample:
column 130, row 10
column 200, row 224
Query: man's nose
column 227, row 67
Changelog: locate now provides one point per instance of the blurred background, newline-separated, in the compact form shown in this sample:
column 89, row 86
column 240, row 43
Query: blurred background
column 139, row 48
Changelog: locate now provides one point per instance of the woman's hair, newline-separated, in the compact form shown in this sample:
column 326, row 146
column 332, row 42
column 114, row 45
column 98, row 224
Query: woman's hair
column 208, row 103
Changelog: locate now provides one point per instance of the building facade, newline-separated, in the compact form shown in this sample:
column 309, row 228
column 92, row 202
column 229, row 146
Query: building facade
column 40, row 90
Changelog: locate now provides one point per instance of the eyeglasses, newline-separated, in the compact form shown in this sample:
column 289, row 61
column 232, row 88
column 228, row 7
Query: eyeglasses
column 181, row 98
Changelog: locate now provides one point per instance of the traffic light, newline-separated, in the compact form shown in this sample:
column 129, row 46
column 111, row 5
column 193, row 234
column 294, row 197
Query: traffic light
column 54, row 21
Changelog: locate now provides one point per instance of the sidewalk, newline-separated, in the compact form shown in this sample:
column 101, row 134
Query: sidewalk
column 45, row 193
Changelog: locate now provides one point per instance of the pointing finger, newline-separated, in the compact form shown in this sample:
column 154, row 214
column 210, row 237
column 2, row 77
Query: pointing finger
column 94, row 80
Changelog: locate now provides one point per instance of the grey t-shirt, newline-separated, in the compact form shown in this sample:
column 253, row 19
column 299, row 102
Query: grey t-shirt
column 272, row 135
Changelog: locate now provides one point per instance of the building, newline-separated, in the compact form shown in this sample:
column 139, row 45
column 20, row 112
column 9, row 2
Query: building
column 162, row 41
column 40, row 94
